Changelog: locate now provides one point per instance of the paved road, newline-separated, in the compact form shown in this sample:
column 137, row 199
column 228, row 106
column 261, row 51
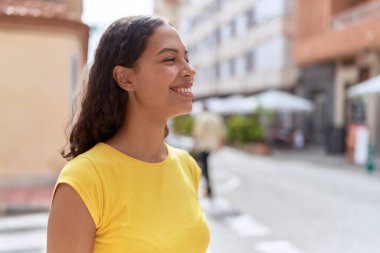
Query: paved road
column 23, row 233
column 292, row 206
column 265, row 205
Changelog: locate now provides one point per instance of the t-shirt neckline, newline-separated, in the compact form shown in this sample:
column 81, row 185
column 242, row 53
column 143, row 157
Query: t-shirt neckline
column 125, row 156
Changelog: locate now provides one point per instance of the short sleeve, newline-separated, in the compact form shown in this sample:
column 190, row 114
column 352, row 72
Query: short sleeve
column 196, row 172
column 81, row 175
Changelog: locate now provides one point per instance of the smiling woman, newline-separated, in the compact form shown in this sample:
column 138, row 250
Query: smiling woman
column 124, row 189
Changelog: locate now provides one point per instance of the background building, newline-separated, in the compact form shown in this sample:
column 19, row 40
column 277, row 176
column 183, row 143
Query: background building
column 239, row 47
column 337, row 45
column 169, row 9
column 43, row 52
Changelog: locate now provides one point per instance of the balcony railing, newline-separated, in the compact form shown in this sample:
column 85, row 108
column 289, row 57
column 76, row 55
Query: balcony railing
column 356, row 15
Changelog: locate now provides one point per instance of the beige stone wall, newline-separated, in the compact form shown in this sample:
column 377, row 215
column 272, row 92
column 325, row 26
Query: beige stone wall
column 169, row 9
column 35, row 85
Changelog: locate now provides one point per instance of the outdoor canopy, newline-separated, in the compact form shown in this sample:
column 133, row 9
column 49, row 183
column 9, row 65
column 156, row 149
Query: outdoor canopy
column 273, row 100
column 370, row 86
column 277, row 100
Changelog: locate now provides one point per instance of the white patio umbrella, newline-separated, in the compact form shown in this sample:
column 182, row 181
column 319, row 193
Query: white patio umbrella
column 216, row 104
column 272, row 100
column 238, row 105
column 370, row 86
column 282, row 101
column 229, row 105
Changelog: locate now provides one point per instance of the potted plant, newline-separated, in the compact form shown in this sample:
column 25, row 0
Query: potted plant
column 247, row 133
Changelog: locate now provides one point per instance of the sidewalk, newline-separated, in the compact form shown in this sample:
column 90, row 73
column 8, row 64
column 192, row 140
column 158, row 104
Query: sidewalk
column 317, row 155
column 20, row 196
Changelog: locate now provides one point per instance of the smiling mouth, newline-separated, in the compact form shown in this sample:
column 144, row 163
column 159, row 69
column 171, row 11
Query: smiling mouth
column 183, row 90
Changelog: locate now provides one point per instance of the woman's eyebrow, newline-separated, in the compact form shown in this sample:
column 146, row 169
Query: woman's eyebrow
column 168, row 49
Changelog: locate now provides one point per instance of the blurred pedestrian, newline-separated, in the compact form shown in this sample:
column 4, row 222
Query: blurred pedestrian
column 124, row 189
column 209, row 134
column 298, row 138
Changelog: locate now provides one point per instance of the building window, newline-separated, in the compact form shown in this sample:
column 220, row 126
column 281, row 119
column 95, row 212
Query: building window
column 232, row 67
column 224, row 70
column 251, row 20
column 218, row 4
column 233, row 28
column 240, row 66
column 217, row 71
column 249, row 61
column 269, row 10
column 225, row 32
column 241, row 24
column 217, row 36
column 200, row 76
column 212, row 40
column 186, row 26
column 193, row 51
column 194, row 22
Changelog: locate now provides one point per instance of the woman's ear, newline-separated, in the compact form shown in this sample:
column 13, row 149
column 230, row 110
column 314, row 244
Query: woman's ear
column 123, row 77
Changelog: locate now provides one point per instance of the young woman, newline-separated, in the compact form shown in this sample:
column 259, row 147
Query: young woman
column 124, row 189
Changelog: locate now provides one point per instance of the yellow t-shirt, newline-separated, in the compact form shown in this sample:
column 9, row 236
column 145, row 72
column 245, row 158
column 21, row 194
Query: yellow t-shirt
column 140, row 207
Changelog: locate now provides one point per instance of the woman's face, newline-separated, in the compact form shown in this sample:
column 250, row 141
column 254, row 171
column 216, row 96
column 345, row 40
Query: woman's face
column 163, row 76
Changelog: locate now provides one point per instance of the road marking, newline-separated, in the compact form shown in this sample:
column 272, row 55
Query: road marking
column 277, row 247
column 25, row 221
column 217, row 207
column 245, row 226
column 23, row 233
column 27, row 240
column 227, row 184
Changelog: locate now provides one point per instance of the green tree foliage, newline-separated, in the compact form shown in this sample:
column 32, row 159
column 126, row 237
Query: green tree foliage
column 183, row 124
column 244, row 129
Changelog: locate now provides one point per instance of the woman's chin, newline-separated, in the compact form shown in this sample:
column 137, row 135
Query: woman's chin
column 183, row 111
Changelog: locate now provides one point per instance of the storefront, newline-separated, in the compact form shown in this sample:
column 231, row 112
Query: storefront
column 364, row 117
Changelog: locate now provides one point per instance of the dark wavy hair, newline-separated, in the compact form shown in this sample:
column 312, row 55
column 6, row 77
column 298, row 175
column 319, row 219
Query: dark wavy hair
column 103, row 106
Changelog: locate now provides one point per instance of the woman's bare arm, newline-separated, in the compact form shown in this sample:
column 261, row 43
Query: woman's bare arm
column 71, row 228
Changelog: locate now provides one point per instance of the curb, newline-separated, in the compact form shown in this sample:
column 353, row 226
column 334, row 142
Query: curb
column 14, row 209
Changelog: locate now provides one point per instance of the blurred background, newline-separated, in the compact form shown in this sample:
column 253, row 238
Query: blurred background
column 297, row 83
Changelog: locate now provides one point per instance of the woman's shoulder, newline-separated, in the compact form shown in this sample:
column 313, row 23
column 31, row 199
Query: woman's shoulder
column 95, row 155
column 187, row 164
column 182, row 155
column 86, row 162
column 177, row 153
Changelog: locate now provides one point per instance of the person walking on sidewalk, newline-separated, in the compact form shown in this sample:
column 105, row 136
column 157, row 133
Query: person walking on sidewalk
column 124, row 189
column 209, row 134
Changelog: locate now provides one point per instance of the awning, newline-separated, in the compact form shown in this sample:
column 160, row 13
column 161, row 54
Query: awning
column 274, row 100
column 277, row 100
column 229, row 105
column 370, row 86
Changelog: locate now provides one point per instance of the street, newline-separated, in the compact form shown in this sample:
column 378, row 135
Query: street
column 291, row 206
column 23, row 234
column 265, row 205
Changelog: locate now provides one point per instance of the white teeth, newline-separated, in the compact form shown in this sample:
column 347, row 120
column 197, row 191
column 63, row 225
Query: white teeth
column 183, row 90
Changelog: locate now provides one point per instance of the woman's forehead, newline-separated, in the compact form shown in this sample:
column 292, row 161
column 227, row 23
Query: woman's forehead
column 165, row 36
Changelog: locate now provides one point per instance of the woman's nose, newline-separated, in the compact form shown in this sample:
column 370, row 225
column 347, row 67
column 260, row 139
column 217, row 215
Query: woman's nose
column 188, row 70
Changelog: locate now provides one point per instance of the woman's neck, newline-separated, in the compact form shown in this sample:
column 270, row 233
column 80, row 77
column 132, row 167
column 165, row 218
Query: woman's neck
column 141, row 138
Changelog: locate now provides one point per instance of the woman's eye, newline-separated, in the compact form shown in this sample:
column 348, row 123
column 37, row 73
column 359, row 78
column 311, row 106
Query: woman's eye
column 169, row 59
